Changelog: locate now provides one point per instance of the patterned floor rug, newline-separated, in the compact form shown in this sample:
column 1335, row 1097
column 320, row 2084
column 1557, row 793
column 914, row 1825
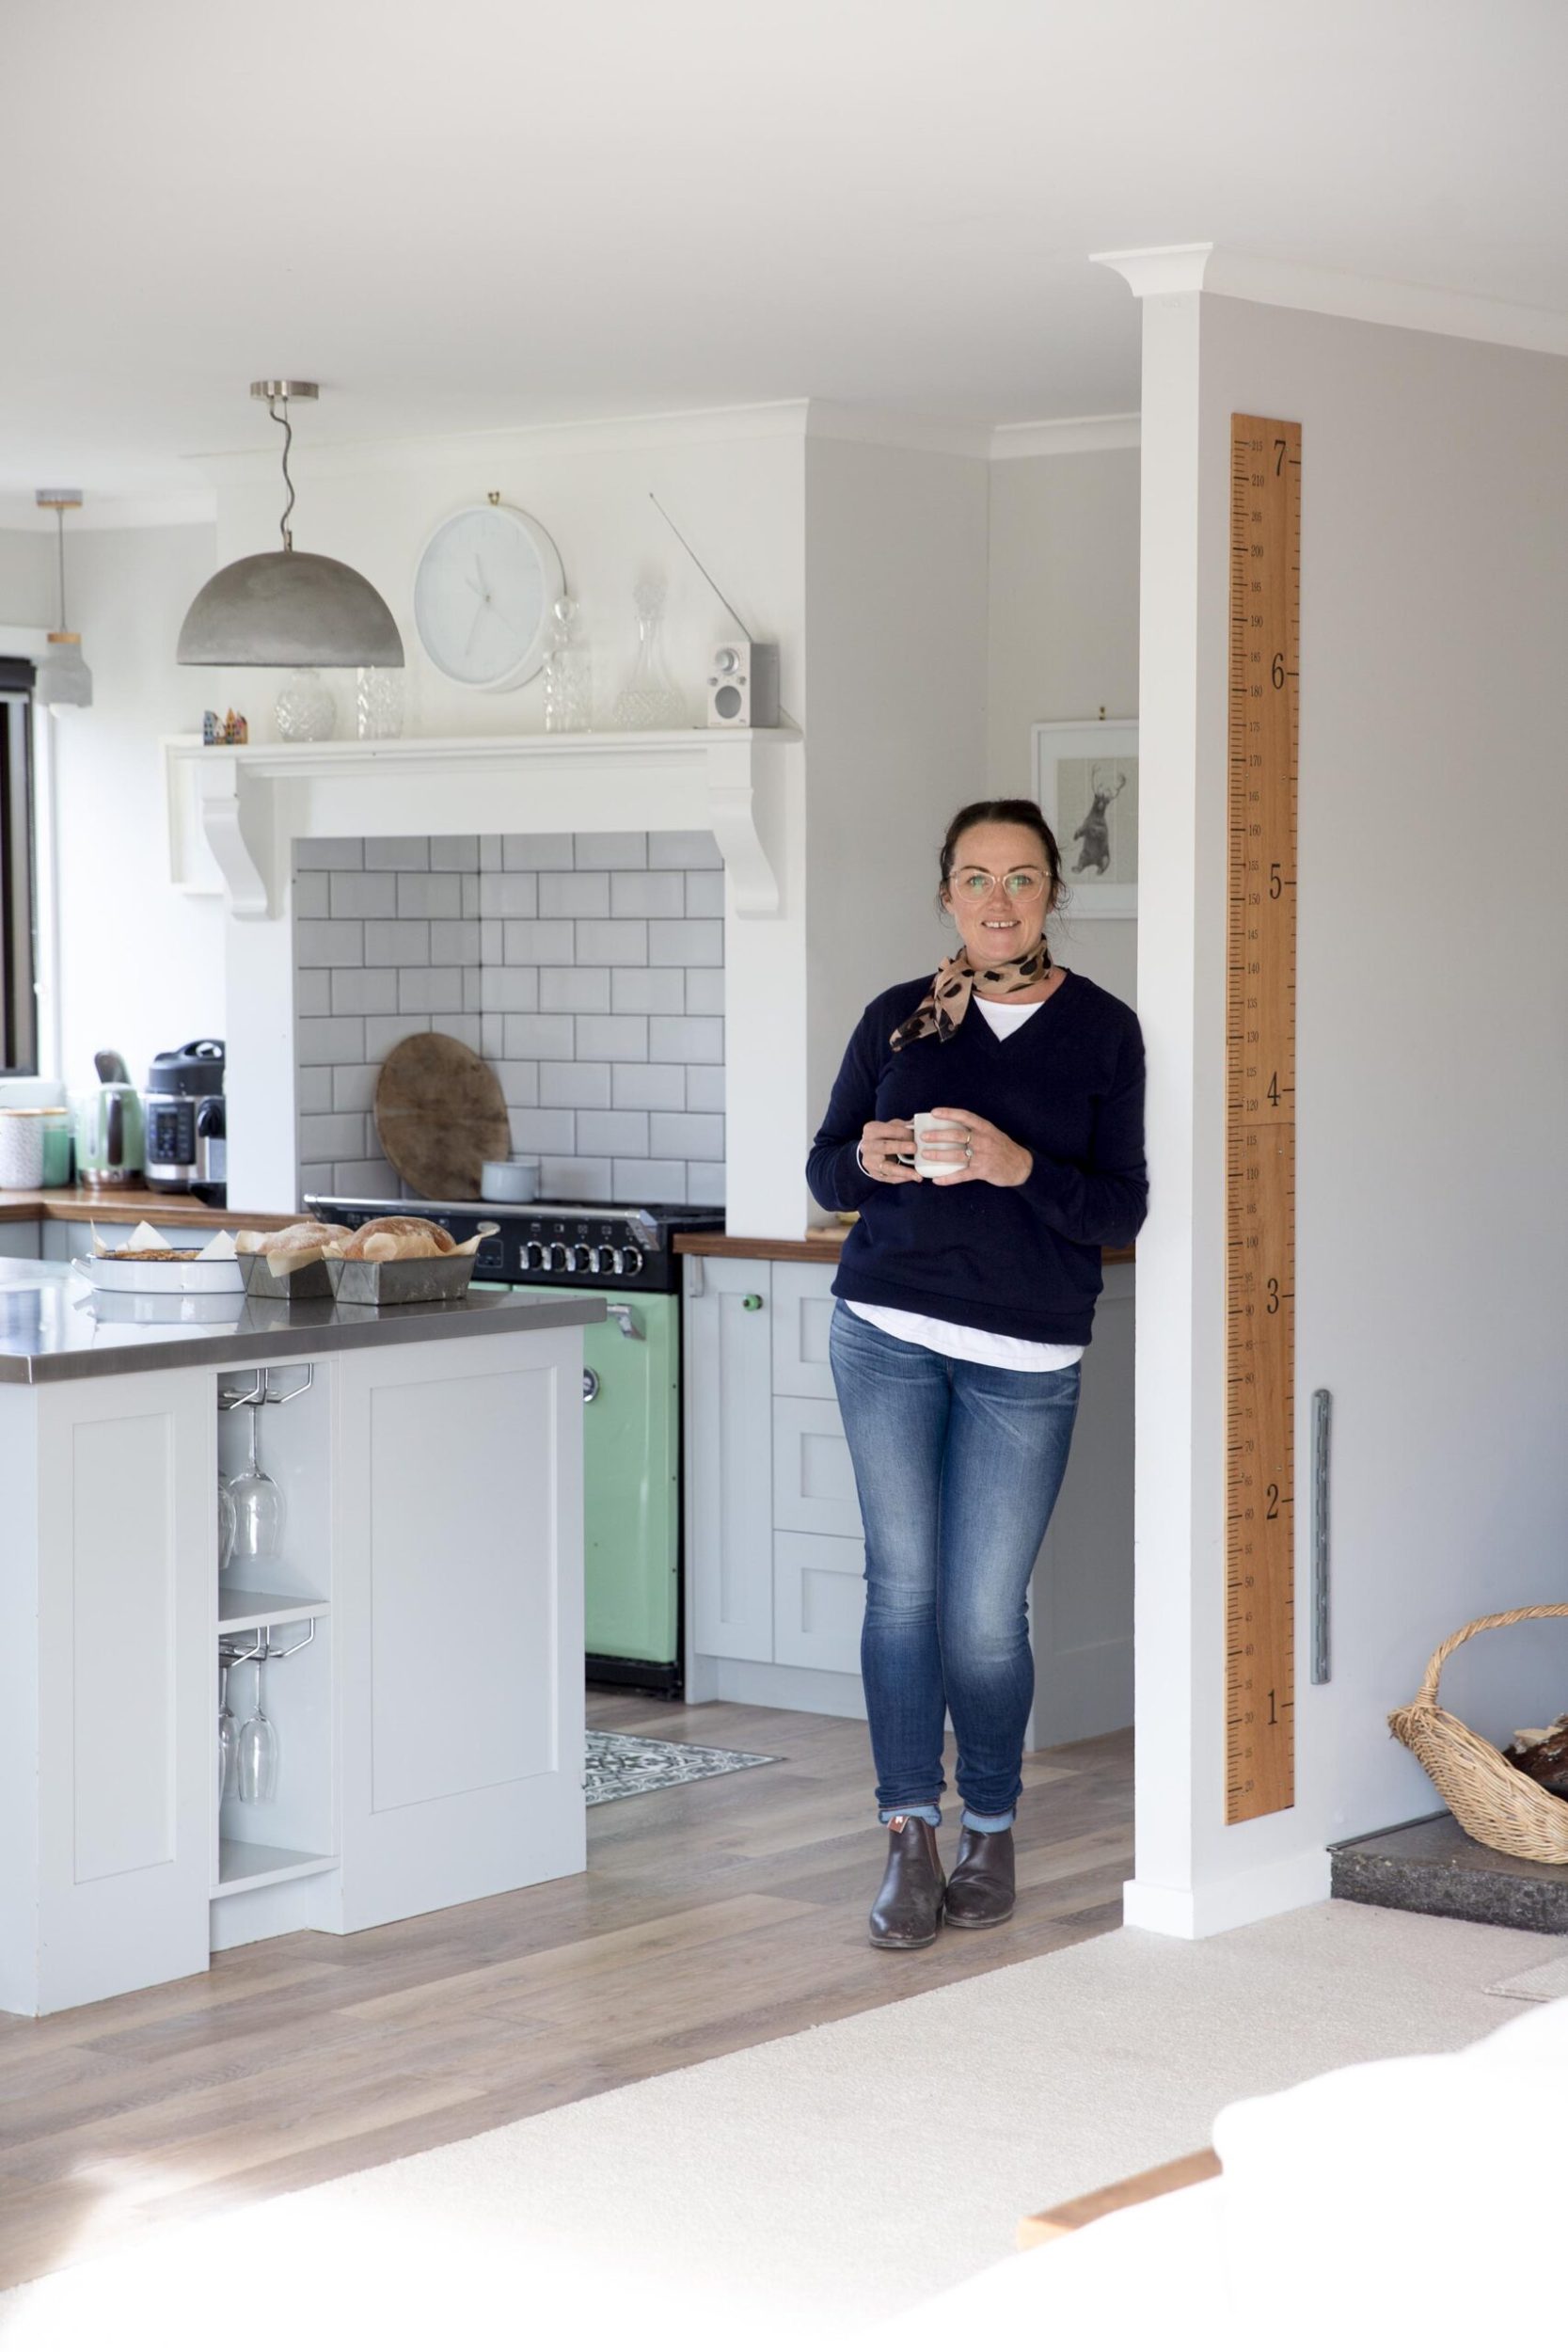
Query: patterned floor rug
column 622, row 1765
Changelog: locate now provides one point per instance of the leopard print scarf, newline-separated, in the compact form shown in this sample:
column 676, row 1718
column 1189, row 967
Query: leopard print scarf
column 946, row 1001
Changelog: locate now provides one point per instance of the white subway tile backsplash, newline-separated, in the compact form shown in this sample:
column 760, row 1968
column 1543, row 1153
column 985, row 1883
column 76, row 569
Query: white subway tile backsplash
column 544, row 1131
column 575, row 1085
column 427, row 893
column 611, row 942
column 538, row 943
column 705, row 1184
column 464, row 1026
column 382, row 1032
column 318, row 944
column 315, row 1176
column 685, row 1041
column 331, row 1135
column 470, row 896
column 471, row 989
column 313, row 992
column 539, row 1037
column 492, row 1036
column 519, row 1081
column 331, row 1041
column 312, row 902
column 683, row 850
column 397, row 943
column 613, row 1132
column 368, row 1180
column 353, row 1089
column 364, row 894
column 704, row 992
column 646, row 894
column 686, row 1135
column 611, row 1037
column 705, row 1087
column 575, row 1180
column 653, row 1086
column 509, row 894
column 686, row 943
column 454, row 854
column 431, row 988
column 569, row 987
column 650, row 1180
column 633, row 989
column 374, row 991
column 704, row 894
column 533, row 851
column 314, row 1089
column 325, row 857
column 574, row 894
column 492, row 941
column 489, row 852
column 455, row 943
column 406, row 855
column 590, row 850
column 508, row 988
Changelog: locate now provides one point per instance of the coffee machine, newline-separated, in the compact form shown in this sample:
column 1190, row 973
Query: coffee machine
column 187, row 1133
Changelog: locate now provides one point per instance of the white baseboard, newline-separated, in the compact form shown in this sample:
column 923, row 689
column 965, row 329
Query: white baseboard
column 808, row 1690
column 1193, row 1912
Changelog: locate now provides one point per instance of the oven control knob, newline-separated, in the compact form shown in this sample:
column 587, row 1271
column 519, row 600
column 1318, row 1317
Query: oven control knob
column 533, row 1257
column 631, row 1262
column 556, row 1259
column 600, row 1261
column 580, row 1258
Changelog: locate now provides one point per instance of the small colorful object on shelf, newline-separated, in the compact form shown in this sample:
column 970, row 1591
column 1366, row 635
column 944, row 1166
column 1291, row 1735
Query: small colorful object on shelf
column 230, row 728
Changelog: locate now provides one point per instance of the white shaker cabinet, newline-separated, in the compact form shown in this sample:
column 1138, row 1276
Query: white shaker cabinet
column 729, row 1440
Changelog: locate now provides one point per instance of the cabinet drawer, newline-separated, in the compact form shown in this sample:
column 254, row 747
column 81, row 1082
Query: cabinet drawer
column 803, row 1309
column 818, row 1601
column 813, row 1482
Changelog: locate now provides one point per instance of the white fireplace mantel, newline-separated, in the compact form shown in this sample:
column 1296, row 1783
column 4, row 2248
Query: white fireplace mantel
column 253, row 801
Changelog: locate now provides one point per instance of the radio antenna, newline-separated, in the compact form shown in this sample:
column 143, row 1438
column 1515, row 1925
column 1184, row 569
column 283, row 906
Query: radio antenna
column 706, row 574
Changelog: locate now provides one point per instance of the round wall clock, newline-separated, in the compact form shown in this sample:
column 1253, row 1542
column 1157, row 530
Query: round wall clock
column 483, row 591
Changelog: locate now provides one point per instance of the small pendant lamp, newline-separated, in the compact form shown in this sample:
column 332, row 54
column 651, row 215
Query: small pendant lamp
column 63, row 681
column 284, row 610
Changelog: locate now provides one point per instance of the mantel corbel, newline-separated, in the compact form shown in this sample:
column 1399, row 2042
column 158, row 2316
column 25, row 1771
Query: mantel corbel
column 218, row 785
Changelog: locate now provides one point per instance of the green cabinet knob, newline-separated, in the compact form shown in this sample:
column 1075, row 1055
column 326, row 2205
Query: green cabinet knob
column 752, row 1301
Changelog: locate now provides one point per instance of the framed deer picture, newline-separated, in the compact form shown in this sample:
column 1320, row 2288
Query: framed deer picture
column 1086, row 782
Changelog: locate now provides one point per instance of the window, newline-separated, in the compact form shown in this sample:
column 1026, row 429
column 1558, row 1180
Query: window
column 18, row 924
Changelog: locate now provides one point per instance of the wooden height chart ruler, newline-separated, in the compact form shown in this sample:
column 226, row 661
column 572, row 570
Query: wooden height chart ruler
column 1260, row 1118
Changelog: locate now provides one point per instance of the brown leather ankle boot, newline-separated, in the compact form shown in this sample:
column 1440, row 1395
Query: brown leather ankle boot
column 980, row 1891
column 908, row 1910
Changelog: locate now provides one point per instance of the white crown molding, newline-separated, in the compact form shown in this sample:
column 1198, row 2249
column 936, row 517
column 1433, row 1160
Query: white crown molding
column 943, row 437
column 20, row 513
column 1066, row 437
column 1179, row 269
column 484, row 452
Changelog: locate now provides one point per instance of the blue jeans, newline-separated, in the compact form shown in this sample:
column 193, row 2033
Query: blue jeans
column 958, row 1468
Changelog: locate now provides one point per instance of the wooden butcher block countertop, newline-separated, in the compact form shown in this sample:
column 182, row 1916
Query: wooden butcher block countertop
column 818, row 1246
column 127, row 1205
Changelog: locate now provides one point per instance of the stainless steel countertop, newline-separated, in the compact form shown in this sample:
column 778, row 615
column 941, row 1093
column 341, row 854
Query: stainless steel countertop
column 49, row 1329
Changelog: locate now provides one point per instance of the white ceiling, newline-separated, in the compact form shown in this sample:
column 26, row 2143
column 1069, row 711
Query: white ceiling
column 470, row 213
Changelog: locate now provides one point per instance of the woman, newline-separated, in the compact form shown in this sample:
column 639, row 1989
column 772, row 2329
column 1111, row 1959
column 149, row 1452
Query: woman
column 965, row 1303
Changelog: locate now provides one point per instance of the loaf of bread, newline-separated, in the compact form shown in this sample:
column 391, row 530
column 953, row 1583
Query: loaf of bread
column 392, row 1237
column 294, row 1246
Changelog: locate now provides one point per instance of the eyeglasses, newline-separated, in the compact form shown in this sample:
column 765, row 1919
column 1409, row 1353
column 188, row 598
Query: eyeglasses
column 971, row 885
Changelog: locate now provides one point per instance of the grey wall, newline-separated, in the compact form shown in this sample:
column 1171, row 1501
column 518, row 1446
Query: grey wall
column 587, row 968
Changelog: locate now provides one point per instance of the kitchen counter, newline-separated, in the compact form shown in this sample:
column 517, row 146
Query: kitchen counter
column 417, row 1618
column 53, row 1328
column 818, row 1246
column 127, row 1205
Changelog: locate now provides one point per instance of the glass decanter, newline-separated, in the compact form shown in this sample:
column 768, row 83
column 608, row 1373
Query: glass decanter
column 377, row 704
column 650, row 697
column 568, row 673
column 304, row 711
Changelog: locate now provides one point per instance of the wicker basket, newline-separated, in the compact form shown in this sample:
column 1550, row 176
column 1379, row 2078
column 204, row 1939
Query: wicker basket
column 1497, row 1803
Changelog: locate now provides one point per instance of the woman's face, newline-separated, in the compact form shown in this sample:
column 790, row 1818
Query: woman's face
column 994, row 922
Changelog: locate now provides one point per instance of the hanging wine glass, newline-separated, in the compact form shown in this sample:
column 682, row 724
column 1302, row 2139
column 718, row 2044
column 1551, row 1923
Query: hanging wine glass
column 228, row 1734
column 228, row 1528
column 260, row 1509
column 258, row 1760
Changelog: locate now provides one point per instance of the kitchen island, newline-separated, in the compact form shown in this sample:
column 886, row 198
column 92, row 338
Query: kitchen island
column 421, row 1617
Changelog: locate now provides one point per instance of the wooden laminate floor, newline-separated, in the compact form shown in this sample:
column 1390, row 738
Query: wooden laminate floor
column 713, row 1917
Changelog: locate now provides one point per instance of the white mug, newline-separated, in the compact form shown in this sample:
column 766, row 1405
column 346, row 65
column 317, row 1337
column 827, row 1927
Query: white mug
column 926, row 1125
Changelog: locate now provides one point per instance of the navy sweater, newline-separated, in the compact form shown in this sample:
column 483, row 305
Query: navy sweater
column 1023, row 1260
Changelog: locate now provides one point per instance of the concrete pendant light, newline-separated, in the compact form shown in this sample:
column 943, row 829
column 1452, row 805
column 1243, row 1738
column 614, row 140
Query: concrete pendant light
column 286, row 611
column 64, row 682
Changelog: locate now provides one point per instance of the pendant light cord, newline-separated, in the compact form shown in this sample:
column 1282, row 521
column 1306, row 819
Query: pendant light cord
column 287, row 443
column 60, row 542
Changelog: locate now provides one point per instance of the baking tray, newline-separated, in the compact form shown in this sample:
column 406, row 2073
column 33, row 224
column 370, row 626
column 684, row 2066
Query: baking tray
column 401, row 1282
column 301, row 1282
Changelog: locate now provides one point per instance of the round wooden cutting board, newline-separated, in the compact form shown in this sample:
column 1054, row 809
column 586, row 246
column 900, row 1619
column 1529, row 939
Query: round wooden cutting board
column 440, row 1114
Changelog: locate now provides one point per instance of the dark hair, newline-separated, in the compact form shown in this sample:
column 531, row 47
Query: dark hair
column 1025, row 813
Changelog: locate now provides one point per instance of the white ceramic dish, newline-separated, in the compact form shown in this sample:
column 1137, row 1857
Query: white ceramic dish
column 219, row 1310
column 162, row 1278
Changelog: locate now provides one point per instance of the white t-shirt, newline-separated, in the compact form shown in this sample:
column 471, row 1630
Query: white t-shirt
column 961, row 1339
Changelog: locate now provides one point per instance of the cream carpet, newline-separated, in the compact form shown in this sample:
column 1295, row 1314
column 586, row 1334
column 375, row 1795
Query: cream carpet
column 1547, row 1982
column 802, row 2191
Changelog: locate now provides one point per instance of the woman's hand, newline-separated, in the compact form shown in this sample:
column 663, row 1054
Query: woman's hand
column 880, row 1140
column 992, row 1158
